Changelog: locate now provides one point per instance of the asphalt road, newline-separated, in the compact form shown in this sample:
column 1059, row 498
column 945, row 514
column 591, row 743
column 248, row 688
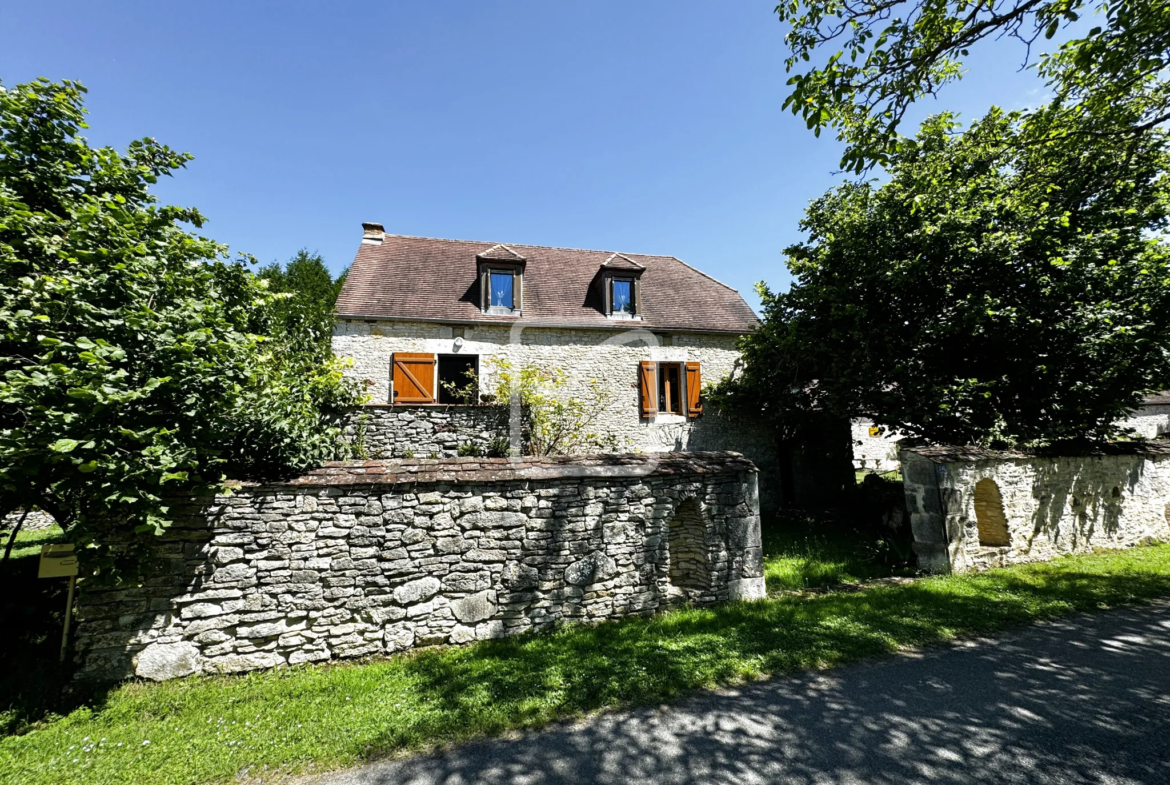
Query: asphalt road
column 1084, row 701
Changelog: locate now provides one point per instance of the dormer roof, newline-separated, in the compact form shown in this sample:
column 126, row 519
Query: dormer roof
column 619, row 261
column 500, row 253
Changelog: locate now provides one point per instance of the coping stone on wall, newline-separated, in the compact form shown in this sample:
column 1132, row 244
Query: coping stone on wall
column 473, row 470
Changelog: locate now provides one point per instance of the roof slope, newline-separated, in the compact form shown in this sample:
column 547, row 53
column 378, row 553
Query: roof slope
column 432, row 279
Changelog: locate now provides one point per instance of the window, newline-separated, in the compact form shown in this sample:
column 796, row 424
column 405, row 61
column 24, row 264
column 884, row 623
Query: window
column 622, row 295
column 500, row 292
column 458, row 378
column 670, row 388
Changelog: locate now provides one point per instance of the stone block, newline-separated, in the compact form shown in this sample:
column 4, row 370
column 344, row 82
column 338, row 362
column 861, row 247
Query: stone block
column 417, row 590
column 163, row 661
column 474, row 608
column 519, row 577
column 747, row 589
column 467, row 581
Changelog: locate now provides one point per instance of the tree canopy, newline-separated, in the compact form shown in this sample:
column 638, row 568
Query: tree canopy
column 860, row 64
column 136, row 360
column 994, row 289
column 309, row 294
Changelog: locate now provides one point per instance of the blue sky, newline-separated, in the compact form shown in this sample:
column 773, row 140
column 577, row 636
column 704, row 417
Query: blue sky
column 647, row 127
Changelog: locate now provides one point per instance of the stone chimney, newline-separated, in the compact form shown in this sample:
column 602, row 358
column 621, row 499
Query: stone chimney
column 372, row 233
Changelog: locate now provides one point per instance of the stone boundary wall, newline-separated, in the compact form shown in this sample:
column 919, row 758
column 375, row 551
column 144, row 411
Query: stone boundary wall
column 438, row 430
column 35, row 521
column 372, row 558
column 1150, row 422
column 973, row 509
column 427, row 430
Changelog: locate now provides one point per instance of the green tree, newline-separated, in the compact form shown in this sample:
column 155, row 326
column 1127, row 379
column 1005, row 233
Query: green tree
column 136, row 360
column 865, row 62
column 308, row 296
column 992, row 290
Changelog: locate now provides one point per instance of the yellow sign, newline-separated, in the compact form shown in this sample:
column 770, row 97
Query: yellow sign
column 57, row 561
column 875, row 431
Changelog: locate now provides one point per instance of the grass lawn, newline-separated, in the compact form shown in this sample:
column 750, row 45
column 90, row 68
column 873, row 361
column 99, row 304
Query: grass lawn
column 213, row 729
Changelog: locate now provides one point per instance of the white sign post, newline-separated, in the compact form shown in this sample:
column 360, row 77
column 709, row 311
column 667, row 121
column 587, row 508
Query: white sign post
column 59, row 561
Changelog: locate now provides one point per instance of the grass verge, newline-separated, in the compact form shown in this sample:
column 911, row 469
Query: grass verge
column 213, row 729
column 810, row 552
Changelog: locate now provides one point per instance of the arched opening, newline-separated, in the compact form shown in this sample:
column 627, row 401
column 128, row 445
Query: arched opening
column 989, row 516
column 686, row 541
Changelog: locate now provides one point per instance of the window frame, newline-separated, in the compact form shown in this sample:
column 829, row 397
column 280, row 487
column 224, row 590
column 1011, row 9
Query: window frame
column 440, row 392
column 663, row 387
column 487, row 270
column 651, row 380
column 633, row 302
column 635, row 281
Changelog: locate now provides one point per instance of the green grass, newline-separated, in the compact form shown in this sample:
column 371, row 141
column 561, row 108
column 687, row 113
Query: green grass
column 28, row 543
column 803, row 552
column 213, row 729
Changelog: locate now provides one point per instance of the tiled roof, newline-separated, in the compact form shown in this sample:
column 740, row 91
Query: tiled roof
column 426, row 278
column 1158, row 399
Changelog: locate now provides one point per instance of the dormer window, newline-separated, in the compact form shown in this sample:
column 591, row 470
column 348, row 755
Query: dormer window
column 501, row 288
column 621, row 295
column 501, row 281
column 622, row 287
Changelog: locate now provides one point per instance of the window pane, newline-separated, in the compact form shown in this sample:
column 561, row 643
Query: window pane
column 669, row 389
column 501, row 284
column 623, row 296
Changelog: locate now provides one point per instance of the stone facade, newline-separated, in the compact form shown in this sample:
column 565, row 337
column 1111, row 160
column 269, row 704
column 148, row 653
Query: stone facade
column 378, row 557
column 972, row 509
column 611, row 357
column 873, row 452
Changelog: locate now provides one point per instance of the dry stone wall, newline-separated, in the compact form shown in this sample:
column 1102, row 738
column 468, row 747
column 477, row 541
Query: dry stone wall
column 972, row 509
column 423, row 431
column 364, row 559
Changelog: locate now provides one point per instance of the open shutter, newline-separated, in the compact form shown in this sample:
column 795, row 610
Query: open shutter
column 694, row 388
column 414, row 378
column 647, row 388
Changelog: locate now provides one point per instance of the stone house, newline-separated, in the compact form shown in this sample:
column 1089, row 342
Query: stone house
column 417, row 315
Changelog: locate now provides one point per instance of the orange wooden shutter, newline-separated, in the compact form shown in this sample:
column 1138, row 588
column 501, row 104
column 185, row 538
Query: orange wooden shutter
column 414, row 377
column 646, row 388
column 694, row 388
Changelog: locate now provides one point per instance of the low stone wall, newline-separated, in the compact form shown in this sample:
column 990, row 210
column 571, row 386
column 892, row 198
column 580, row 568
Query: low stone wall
column 427, row 431
column 438, row 431
column 972, row 509
column 34, row 521
column 372, row 558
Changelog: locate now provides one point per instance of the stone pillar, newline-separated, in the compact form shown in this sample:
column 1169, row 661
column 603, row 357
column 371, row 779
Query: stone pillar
column 924, row 502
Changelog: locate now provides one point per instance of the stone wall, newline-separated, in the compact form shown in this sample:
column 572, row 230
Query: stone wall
column 610, row 357
column 34, row 521
column 972, row 509
column 1149, row 421
column 373, row 558
column 428, row 431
